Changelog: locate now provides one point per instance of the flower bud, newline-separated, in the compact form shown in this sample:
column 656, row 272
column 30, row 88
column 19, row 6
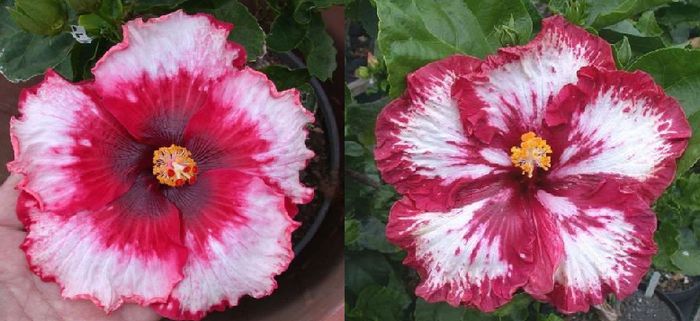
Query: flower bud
column 362, row 72
column 43, row 17
column 84, row 6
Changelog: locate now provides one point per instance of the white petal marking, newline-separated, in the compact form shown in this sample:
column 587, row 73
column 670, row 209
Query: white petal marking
column 596, row 254
column 527, row 84
column 243, row 260
column 280, row 120
column 624, row 137
column 496, row 156
column 558, row 205
column 441, row 241
column 433, row 135
column 72, row 251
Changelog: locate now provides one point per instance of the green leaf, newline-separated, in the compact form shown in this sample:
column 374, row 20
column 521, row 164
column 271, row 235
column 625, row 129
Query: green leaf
column 381, row 303
column 373, row 237
column 413, row 33
column 285, row 78
column 687, row 258
column 321, row 4
column 147, row 5
column 382, row 199
column 425, row 311
column 535, row 15
column 516, row 309
column 623, row 52
column 647, row 24
column 24, row 55
column 604, row 13
column 94, row 24
column 365, row 268
column 353, row 149
column 246, row 29
column 308, row 97
column 692, row 152
column 352, row 231
column 665, row 237
column 677, row 71
column 640, row 43
column 302, row 10
column 319, row 50
column 285, row 33
column 361, row 119
column 364, row 12
column 552, row 317
column 492, row 14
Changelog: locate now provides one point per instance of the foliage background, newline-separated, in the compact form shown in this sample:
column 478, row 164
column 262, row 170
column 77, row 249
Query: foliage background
column 275, row 26
column 656, row 36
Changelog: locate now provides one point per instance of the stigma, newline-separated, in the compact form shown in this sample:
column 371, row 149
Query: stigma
column 174, row 166
column 532, row 153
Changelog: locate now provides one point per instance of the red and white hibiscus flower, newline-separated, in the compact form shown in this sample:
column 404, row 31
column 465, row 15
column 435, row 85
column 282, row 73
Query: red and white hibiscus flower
column 534, row 168
column 167, row 181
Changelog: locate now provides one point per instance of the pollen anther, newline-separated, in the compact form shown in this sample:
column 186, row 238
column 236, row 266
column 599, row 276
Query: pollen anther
column 173, row 166
column 532, row 153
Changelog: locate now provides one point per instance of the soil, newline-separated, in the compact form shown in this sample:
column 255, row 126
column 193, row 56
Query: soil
column 640, row 308
column 637, row 307
column 677, row 282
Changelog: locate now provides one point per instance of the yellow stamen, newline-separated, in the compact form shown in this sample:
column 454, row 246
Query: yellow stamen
column 173, row 166
column 533, row 152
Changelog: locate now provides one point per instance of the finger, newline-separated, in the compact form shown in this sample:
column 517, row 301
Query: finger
column 8, row 202
column 134, row 312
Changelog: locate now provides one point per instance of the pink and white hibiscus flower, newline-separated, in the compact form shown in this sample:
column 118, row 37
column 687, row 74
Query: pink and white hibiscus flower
column 534, row 168
column 170, row 180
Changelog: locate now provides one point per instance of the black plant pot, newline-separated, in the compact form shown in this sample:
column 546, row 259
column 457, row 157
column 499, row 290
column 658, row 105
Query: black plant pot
column 670, row 303
column 687, row 300
column 330, row 129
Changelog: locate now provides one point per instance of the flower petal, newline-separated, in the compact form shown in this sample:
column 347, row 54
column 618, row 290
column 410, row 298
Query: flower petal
column 422, row 148
column 607, row 236
column 126, row 251
column 239, row 237
column 158, row 77
column 475, row 254
column 250, row 127
column 73, row 155
column 515, row 85
column 620, row 125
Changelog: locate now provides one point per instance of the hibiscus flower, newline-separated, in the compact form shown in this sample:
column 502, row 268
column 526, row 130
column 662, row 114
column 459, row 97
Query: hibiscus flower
column 533, row 169
column 170, row 180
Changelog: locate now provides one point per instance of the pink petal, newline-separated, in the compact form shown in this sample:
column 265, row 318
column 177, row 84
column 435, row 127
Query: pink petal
column 126, row 251
column 607, row 236
column 422, row 148
column 239, row 238
column 160, row 74
column 73, row 155
column 620, row 125
column 250, row 127
column 510, row 94
column 478, row 253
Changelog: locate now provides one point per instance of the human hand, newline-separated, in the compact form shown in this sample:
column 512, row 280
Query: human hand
column 24, row 297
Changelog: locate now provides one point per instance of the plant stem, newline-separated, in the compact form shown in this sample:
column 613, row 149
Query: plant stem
column 362, row 178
